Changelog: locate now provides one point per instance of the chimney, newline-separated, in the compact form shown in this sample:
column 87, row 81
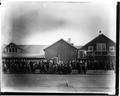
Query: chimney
column 69, row 40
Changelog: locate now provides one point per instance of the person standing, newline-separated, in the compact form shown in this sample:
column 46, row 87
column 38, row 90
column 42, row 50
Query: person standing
column 85, row 67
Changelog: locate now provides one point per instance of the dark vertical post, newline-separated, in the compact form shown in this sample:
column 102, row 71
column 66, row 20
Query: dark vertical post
column 117, row 47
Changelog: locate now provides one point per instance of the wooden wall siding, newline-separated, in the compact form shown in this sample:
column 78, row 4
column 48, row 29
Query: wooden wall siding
column 62, row 50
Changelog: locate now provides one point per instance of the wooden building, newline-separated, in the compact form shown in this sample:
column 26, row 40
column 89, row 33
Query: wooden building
column 102, row 51
column 22, row 52
column 61, row 49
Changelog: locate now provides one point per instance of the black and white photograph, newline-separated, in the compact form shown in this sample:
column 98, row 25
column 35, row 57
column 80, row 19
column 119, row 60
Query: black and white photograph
column 58, row 47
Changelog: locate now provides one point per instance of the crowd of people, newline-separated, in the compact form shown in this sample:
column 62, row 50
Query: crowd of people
column 50, row 67
column 43, row 66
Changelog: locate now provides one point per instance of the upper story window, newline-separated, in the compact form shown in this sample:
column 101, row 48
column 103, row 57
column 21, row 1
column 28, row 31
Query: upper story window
column 112, row 48
column 11, row 50
column 101, row 47
column 90, row 48
column 16, row 50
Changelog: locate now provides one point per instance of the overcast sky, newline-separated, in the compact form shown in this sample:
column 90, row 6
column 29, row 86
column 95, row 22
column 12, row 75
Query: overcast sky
column 44, row 23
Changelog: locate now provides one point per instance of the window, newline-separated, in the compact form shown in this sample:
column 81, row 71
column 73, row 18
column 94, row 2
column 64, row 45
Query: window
column 101, row 47
column 13, row 50
column 90, row 48
column 16, row 50
column 112, row 49
column 10, row 50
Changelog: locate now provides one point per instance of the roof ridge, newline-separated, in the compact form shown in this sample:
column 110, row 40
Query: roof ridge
column 96, row 38
column 52, row 44
column 58, row 41
column 69, row 44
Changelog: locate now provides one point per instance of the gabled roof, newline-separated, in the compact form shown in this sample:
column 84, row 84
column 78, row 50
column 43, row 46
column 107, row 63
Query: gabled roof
column 29, row 49
column 59, row 41
column 100, row 38
column 14, row 46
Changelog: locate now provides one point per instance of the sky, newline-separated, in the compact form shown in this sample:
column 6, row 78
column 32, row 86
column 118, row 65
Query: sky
column 43, row 23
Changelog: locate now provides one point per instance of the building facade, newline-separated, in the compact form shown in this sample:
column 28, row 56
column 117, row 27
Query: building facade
column 100, row 52
column 62, row 50
column 22, row 52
